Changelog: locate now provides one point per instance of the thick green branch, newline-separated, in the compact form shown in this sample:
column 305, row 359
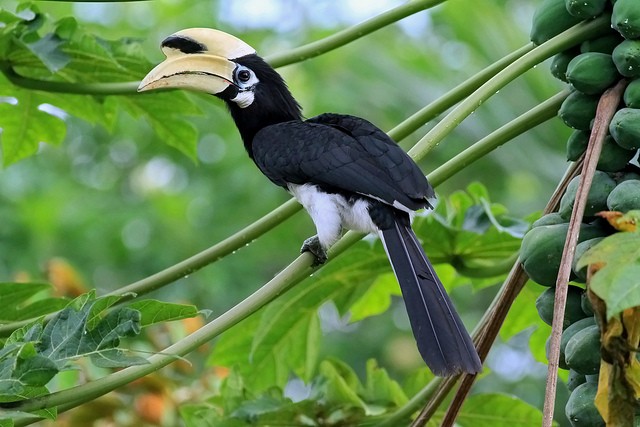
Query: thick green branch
column 294, row 273
column 350, row 34
column 569, row 38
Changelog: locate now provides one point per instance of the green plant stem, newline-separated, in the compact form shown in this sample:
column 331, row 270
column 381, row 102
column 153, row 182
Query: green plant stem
column 350, row 34
column 563, row 41
column 537, row 115
column 280, row 214
column 294, row 273
column 292, row 56
column 458, row 93
column 120, row 88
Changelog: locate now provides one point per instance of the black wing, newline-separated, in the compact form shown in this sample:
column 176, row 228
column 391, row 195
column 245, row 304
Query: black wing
column 344, row 154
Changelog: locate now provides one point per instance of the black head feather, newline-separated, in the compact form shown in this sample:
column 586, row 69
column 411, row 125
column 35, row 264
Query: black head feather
column 273, row 102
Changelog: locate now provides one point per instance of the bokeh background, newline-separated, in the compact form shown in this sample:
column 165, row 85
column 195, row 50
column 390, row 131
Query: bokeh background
column 118, row 204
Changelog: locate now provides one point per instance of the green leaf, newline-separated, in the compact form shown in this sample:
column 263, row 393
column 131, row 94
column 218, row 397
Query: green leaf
column 380, row 388
column 24, row 126
column 154, row 311
column 35, row 371
column 47, row 49
column 497, row 410
column 618, row 281
column 376, row 299
column 17, row 293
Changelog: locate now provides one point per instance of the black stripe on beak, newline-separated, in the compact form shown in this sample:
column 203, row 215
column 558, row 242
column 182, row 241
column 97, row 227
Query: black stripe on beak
column 184, row 44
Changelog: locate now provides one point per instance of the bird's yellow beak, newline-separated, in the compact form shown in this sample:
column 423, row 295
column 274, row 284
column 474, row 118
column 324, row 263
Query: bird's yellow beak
column 199, row 59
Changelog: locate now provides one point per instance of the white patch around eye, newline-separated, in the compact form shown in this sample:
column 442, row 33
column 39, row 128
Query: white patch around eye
column 244, row 98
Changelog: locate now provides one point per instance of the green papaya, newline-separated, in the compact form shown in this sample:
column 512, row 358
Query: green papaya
column 604, row 44
column 578, row 110
column 612, row 157
column 568, row 333
column 581, row 409
column 541, row 250
column 625, row 197
column 626, row 57
column 592, row 72
column 549, row 219
column 625, row 18
column 581, row 248
column 577, row 144
column 596, row 198
column 632, row 94
column 550, row 19
column 585, row 304
column 585, row 9
column 575, row 379
column 572, row 311
column 560, row 62
column 625, row 128
column 582, row 352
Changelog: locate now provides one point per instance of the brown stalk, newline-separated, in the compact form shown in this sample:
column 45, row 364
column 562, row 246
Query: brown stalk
column 488, row 328
column 607, row 107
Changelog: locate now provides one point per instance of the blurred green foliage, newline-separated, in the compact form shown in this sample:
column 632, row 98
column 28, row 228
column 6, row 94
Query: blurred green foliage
column 120, row 204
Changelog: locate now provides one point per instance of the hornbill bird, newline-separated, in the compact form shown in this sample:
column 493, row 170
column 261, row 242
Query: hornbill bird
column 344, row 171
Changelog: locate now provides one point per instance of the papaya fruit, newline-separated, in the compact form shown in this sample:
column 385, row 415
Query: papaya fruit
column 568, row 333
column 572, row 311
column 582, row 352
column 577, row 144
column 581, row 248
column 604, row 44
column 581, row 409
column 625, row 197
column 626, row 57
column 585, row 9
column 549, row 219
column 625, row 128
column 560, row 62
column 541, row 250
column 550, row 19
column 612, row 157
column 575, row 379
column 632, row 94
column 585, row 304
column 578, row 110
column 625, row 18
column 592, row 72
column 596, row 198
column 622, row 176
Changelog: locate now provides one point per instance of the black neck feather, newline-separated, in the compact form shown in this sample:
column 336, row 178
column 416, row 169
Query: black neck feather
column 273, row 103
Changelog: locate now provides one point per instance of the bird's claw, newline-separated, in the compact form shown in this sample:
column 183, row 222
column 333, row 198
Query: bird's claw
column 312, row 245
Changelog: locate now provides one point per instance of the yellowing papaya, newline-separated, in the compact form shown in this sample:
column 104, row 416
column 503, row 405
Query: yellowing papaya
column 626, row 57
column 592, row 72
column 626, row 18
column 550, row 19
column 578, row 110
column 625, row 128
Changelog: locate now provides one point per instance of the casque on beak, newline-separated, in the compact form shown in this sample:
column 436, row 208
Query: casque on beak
column 197, row 58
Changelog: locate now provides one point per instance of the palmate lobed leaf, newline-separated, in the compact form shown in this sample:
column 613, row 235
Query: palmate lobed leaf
column 617, row 282
column 498, row 410
column 69, row 53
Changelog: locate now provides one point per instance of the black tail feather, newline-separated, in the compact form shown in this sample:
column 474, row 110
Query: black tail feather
column 442, row 339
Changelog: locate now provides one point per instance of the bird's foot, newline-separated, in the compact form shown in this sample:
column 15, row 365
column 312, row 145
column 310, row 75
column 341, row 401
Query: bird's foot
column 312, row 244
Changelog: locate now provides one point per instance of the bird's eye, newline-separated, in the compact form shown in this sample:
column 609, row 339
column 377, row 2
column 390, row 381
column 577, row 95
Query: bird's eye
column 244, row 75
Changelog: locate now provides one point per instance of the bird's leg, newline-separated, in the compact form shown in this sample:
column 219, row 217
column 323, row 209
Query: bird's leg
column 313, row 245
